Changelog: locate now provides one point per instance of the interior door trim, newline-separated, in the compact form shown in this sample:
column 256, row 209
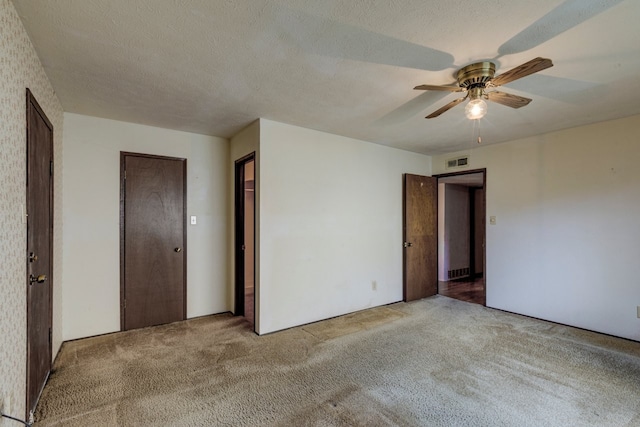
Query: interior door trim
column 123, row 155
column 483, row 171
column 239, row 234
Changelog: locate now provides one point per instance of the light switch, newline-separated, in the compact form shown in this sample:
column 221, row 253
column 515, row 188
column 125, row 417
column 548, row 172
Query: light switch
column 193, row 220
column 492, row 220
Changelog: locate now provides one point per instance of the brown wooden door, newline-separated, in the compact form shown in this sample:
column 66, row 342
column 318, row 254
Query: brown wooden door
column 420, row 226
column 39, row 249
column 153, row 246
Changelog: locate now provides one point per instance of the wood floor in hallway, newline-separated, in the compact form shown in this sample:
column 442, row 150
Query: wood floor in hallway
column 464, row 290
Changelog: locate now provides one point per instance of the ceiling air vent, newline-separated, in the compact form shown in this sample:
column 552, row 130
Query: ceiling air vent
column 458, row 162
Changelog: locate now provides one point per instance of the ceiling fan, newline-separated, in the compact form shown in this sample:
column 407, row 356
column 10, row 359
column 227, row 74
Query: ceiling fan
column 475, row 79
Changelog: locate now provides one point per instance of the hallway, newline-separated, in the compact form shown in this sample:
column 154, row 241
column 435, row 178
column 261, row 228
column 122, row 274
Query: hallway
column 464, row 290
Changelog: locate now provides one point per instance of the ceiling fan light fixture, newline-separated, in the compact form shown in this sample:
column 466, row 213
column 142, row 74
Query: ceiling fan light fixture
column 475, row 109
column 475, row 78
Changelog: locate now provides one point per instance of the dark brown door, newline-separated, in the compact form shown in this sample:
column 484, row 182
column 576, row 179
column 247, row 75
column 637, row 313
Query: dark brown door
column 39, row 249
column 420, row 226
column 153, row 240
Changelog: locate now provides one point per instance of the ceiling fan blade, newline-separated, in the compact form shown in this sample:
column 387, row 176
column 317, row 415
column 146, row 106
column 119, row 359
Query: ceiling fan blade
column 445, row 108
column 513, row 101
column 444, row 88
column 569, row 14
column 533, row 66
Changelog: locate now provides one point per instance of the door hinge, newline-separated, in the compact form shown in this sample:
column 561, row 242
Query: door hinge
column 49, row 336
column 125, row 174
column 124, row 304
column 51, row 167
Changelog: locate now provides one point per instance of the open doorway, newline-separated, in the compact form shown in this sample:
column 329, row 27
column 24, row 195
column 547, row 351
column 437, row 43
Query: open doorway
column 245, row 238
column 461, row 235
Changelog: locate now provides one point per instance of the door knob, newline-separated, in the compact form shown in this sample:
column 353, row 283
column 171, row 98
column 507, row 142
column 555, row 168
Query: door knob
column 408, row 244
column 40, row 279
column 32, row 257
column 178, row 249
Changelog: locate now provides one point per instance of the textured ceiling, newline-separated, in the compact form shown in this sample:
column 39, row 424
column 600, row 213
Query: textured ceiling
column 341, row 66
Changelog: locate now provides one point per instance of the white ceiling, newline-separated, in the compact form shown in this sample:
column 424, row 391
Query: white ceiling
column 346, row 67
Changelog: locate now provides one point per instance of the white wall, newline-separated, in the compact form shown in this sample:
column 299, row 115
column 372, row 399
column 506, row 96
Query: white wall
column 91, row 152
column 453, row 229
column 457, row 226
column 330, row 224
column 20, row 68
column 567, row 240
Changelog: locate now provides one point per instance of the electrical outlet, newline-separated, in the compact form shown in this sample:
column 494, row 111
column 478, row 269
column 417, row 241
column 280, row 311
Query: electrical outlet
column 638, row 308
column 374, row 286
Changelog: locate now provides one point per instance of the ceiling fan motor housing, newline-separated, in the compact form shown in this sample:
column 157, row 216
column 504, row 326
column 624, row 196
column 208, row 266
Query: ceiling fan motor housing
column 474, row 77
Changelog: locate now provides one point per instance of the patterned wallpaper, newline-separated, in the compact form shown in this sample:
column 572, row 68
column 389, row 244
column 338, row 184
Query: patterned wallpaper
column 20, row 68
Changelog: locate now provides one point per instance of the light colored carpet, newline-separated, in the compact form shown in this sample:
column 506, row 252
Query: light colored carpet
column 437, row 362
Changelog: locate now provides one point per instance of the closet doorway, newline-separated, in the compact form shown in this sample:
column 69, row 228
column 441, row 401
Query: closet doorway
column 245, row 173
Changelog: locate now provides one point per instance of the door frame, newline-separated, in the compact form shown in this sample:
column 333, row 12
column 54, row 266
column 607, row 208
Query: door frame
column 239, row 235
column 33, row 103
column 484, row 204
column 123, row 155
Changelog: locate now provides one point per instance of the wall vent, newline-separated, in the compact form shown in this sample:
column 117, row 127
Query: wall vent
column 458, row 273
column 457, row 162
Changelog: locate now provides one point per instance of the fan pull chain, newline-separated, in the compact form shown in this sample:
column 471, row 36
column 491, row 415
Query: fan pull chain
column 476, row 127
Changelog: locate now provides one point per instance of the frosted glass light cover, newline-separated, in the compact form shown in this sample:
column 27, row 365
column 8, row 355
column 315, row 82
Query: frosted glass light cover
column 475, row 109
